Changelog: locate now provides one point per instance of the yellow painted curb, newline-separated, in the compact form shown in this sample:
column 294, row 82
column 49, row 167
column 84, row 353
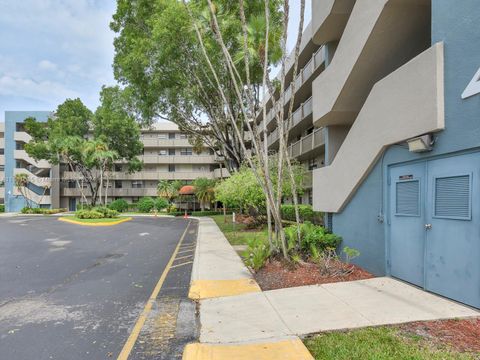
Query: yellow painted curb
column 282, row 350
column 65, row 219
column 205, row 289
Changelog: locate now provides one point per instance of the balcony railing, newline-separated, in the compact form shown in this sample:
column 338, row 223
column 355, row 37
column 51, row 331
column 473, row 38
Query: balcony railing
column 178, row 159
column 303, row 76
column 149, row 175
column 165, row 142
column 301, row 113
column 308, row 143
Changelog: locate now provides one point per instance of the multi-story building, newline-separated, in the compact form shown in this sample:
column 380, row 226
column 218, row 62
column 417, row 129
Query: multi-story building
column 388, row 97
column 167, row 155
column 2, row 163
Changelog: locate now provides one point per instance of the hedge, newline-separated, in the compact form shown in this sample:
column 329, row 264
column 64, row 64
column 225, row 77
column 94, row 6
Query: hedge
column 42, row 211
column 306, row 213
column 2, row 208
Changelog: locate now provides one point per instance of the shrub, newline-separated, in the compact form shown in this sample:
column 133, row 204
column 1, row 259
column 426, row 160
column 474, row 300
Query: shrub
column 89, row 214
column 44, row 211
column 119, row 205
column 2, row 208
column 305, row 211
column 172, row 208
column 96, row 213
column 206, row 213
column 256, row 254
column 161, row 203
column 314, row 239
column 146, row 204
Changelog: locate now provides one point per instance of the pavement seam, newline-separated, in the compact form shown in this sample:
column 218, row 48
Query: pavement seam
column 348, row 305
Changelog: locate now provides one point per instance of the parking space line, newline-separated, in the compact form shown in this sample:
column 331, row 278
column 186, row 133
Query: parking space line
column 132, row 339
column 184, row 257
column 182, row 264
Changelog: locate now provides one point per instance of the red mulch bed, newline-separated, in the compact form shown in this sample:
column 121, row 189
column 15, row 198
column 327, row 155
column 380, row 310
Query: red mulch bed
column 463, row 335
column 277, row 274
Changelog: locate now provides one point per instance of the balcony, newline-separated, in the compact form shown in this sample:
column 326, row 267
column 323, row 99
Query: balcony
column 123, row 192
column 170, row 143
column 148, row 175
column 307, row 144
column 178, row 159
column 302, row 113
column 221, row 173
column 305, row 74
column 2, row 159
column 2, row 193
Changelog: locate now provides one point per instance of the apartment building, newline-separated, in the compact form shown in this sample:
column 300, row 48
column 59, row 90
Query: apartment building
column 387, row 116
column 2, row 163
column 167, row 155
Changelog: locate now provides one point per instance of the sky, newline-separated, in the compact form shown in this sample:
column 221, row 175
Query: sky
column 51, row 50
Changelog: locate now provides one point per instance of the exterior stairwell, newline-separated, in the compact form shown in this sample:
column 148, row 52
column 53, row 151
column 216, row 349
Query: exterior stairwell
column 407, row 103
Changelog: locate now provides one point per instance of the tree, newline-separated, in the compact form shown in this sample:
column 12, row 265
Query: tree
column 88, row 144
column 204, row 191
column 21, row 183
column 168, row 189
column 158, row 58
column 229, row 42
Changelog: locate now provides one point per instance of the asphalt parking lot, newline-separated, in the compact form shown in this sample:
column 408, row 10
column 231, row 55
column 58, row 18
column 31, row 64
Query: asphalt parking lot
column 76, row 292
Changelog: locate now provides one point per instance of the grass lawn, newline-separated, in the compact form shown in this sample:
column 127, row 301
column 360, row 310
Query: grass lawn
column 382, row 343
column 236, row 233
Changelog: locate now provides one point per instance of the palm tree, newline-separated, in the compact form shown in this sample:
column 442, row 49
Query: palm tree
column 21, row 182
column 168, row 189
column 204, row 191
column 97, row 151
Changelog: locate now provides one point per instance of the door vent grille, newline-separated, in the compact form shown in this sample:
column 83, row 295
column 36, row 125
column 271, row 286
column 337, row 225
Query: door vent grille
column 452, row 197
column 408, row 198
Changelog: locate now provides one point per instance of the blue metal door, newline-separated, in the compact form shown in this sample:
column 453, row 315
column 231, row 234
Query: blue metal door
column 453, row 228
column 72, row 204
column 407, row 218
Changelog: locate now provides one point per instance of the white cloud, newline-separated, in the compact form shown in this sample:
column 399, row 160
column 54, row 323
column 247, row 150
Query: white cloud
column 47, row 65
column 54, row 49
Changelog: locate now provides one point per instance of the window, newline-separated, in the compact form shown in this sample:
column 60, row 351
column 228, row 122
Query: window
column 118, row 167
column 163, row 152
column 408, row 198
column 137, row 184
column 18, row 165
column 2, row 168
column 19, row 127
column 171, row 152
column 2, row 151
column 186, row 151
column 118, row 184
column 71, row 184
column 171, row 167
column 171, row 136
column 163, row 136
column 18, row 145
column 182, row 136
column 452, row 197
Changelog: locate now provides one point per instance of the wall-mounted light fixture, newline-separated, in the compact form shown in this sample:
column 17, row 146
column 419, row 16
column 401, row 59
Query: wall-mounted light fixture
column 420, row 144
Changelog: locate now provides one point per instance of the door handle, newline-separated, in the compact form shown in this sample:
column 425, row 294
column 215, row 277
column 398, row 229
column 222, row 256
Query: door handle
column 428, row 226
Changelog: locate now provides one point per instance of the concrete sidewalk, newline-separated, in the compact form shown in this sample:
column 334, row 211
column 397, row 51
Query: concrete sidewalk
column 218, row 270
column 239, row 321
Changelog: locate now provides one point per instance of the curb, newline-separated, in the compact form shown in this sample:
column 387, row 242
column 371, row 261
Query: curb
column 290, row 349
column 64, row 219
